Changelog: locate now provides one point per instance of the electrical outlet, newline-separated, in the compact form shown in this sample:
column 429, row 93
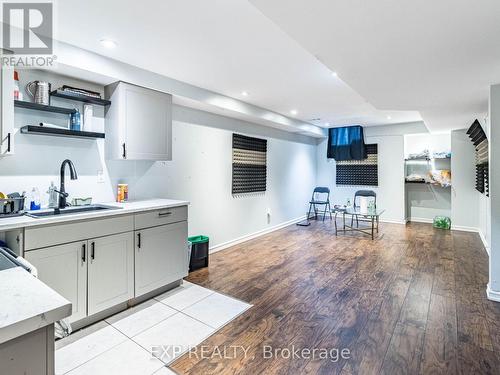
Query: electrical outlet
column 100, row 177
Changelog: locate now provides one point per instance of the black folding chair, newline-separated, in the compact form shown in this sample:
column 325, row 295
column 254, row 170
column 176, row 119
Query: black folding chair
column 318, row 199
column 363, row 193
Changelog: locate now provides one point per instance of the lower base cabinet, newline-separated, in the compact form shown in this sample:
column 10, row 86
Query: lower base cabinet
column 110, row 271
column 161, row 256
column 93, row 275
column 64, row 269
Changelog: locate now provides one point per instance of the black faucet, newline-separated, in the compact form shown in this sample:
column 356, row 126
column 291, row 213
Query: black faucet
column 62, row 192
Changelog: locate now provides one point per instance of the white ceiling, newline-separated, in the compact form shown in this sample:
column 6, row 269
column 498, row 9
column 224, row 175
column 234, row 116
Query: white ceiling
column 435, row 56
column 227, row 46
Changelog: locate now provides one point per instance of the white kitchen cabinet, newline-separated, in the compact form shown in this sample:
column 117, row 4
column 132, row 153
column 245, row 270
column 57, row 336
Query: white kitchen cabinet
column 138, row 123
column 110, row 271
column 160, row 256
column 6, row 111
column 64, row 269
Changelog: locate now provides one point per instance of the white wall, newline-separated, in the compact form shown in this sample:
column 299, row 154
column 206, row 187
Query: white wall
column 464, row 196
column 37, row 159
column 494, row 179
column 200, row 171
column 390, row 191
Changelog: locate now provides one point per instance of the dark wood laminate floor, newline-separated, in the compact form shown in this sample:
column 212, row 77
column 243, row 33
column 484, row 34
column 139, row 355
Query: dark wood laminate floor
column 410, row 302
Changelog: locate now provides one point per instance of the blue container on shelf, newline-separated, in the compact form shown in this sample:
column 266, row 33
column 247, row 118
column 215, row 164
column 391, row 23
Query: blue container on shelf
column 75, row 121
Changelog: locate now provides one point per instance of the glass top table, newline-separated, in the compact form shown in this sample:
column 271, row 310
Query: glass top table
column 369, row 212
column 357, row 215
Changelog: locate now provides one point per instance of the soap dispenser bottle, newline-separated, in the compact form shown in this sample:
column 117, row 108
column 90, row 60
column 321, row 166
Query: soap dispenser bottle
column 52, row 195
column 35, row 199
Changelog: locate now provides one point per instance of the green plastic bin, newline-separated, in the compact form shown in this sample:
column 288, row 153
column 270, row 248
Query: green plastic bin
column 442, row 222
column 199, row 252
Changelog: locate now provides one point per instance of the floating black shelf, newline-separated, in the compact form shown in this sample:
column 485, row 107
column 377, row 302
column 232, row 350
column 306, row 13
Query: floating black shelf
column 416, row 182
column 44, row 130
column 418, row 159
column 43, row 107
column 79, row 97
column 426, row 183
column 428, row 159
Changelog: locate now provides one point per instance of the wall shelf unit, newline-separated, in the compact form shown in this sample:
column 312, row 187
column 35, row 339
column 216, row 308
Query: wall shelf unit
column 56, row 132
column 79, row 97
column 43, row 107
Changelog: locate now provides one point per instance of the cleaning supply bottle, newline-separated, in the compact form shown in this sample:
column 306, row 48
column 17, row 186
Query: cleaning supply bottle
column 75, row 121
column 35, row 199
column 52, row 195
column 18, row 95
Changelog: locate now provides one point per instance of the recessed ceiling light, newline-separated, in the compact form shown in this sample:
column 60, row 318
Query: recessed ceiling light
column 389, row 117
column 244, row 93
column 334, row 74
column 294, row 112
column 108, row 43
column 327, row 124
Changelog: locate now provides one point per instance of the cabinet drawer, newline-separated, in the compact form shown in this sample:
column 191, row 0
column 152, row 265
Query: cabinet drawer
column 56, row 234
column 160, row 217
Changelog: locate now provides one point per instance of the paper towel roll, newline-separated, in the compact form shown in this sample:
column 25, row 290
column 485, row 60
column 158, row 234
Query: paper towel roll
column 363, row 204
column 88, row 114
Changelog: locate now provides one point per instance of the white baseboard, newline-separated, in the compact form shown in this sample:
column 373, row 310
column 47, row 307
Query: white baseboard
column 485, row 243
column 464, row 229
column 421, row 220
column 492, row 294
column 391, row 221
column 247, row 237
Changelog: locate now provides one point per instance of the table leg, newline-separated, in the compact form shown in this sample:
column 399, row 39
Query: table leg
column 343, row 220
column 373, row 225
column 335, row 222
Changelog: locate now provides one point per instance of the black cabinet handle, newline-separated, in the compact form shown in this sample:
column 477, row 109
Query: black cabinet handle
column 164, row 214
column 124, row 151
column 84, row 253
column 138, row 240
column 92, row 251
column 8, row 142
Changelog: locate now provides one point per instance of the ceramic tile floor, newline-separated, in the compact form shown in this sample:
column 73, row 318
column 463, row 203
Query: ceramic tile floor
column 124, row 343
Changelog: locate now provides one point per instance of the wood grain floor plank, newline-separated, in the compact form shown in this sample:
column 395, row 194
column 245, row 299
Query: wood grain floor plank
column 410, row 302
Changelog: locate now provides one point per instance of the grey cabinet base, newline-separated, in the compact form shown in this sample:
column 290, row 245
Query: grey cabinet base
column 30, row 354
column 122, row 306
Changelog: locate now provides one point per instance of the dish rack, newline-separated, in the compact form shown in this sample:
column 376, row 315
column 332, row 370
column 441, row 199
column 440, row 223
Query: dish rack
column 12, row 207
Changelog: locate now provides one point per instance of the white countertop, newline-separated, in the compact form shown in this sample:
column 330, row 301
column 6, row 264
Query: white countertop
column 27, row 304
column 124, row 208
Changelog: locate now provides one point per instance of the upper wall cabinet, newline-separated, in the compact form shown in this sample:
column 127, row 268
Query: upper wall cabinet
column 6, row 111
column 138, row 124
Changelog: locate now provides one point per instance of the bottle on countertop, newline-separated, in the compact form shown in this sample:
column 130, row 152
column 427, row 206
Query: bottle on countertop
column 18, row 95
column 122, row 193
column 35, row 199
column 53, row 197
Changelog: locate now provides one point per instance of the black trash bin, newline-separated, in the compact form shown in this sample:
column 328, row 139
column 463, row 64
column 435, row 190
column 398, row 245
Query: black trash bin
column 199, row 252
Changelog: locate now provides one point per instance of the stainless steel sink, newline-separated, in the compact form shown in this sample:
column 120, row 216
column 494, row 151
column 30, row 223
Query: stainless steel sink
column 70, row 210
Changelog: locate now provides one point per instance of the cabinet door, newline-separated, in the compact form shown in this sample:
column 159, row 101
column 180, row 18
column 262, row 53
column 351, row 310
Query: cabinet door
column 148, row 123
column 110, row 271
column 64, row 269
column 6, row 111
column 160, row 256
